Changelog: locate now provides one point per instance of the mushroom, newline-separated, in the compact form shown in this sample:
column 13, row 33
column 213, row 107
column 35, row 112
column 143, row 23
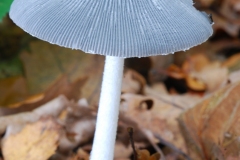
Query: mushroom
column 117, row 29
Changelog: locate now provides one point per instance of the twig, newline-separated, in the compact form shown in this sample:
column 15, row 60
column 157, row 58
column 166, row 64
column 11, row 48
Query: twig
column 130, row 132
column 149, row 136
column 178, row 151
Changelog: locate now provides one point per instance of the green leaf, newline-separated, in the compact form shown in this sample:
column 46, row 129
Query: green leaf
column 4, row 7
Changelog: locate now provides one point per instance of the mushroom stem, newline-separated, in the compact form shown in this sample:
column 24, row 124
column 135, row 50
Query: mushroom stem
column 107, row 118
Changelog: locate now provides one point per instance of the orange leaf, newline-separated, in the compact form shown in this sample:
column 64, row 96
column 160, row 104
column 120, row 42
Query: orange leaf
column 145, row 155
column 195, row 84
column 232, row 63
column 175, row 72
column 155, row 156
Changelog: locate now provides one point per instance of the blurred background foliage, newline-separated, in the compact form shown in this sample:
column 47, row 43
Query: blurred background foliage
column 40, row 64
column 4, row 7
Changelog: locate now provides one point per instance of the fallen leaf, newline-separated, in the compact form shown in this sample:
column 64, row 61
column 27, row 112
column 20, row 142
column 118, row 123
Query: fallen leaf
column 12, row 90
column 213, row 75
column 52, row 108
column 175, row 72
column 199, row 73
column 79, row 126
column 221, row 23
column 61, row 87
column 195, row 62
column 232, row 63
column 155, row 115
column 80, row 155
column 195, row 83
column 39, row 139
column 145, row 155
column 121, row 151
column 45, row 63
column 183, row 101
column 78, row 132
column 211, row 127
column 123, row 123
column 159, row 88
column 133, row 82
column 225, row 15
column 233, row 77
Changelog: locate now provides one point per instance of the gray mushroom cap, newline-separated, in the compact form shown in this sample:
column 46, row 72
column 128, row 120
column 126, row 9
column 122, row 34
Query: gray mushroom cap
column 122, row 28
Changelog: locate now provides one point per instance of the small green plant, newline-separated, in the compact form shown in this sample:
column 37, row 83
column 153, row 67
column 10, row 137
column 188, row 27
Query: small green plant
column 4, row 7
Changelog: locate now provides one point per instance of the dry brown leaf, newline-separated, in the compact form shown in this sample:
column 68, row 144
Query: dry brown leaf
column 122, row 151
column 133, row 82
column 183, row 101
column 225, row 14
column 145, row 155
column 79, row 123
column 12, row 90
column 123, row 123
column 232, row 63
column 155, row 156
column 209, row 78
column 154, row 115
column 211, row 127
column 52, row 108
column 233, row 77
column 199, row 73
column 78, row 132
column 175, row 72
column 80, row 155
column 203, row 74
column 61, row 87
column 213, row 76
column 221, row 23
column 36, row 141
column 28, row 100
column 46, row 63
column 230, row 9
column 159, row 88
column 195, row 62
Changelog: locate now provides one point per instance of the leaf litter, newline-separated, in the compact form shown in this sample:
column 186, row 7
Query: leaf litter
column 185, row 108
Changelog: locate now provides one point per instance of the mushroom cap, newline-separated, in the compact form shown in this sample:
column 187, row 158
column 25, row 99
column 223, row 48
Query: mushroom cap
column 122, row 28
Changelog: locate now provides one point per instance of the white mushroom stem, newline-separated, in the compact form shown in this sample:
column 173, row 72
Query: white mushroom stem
column 107, row 118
